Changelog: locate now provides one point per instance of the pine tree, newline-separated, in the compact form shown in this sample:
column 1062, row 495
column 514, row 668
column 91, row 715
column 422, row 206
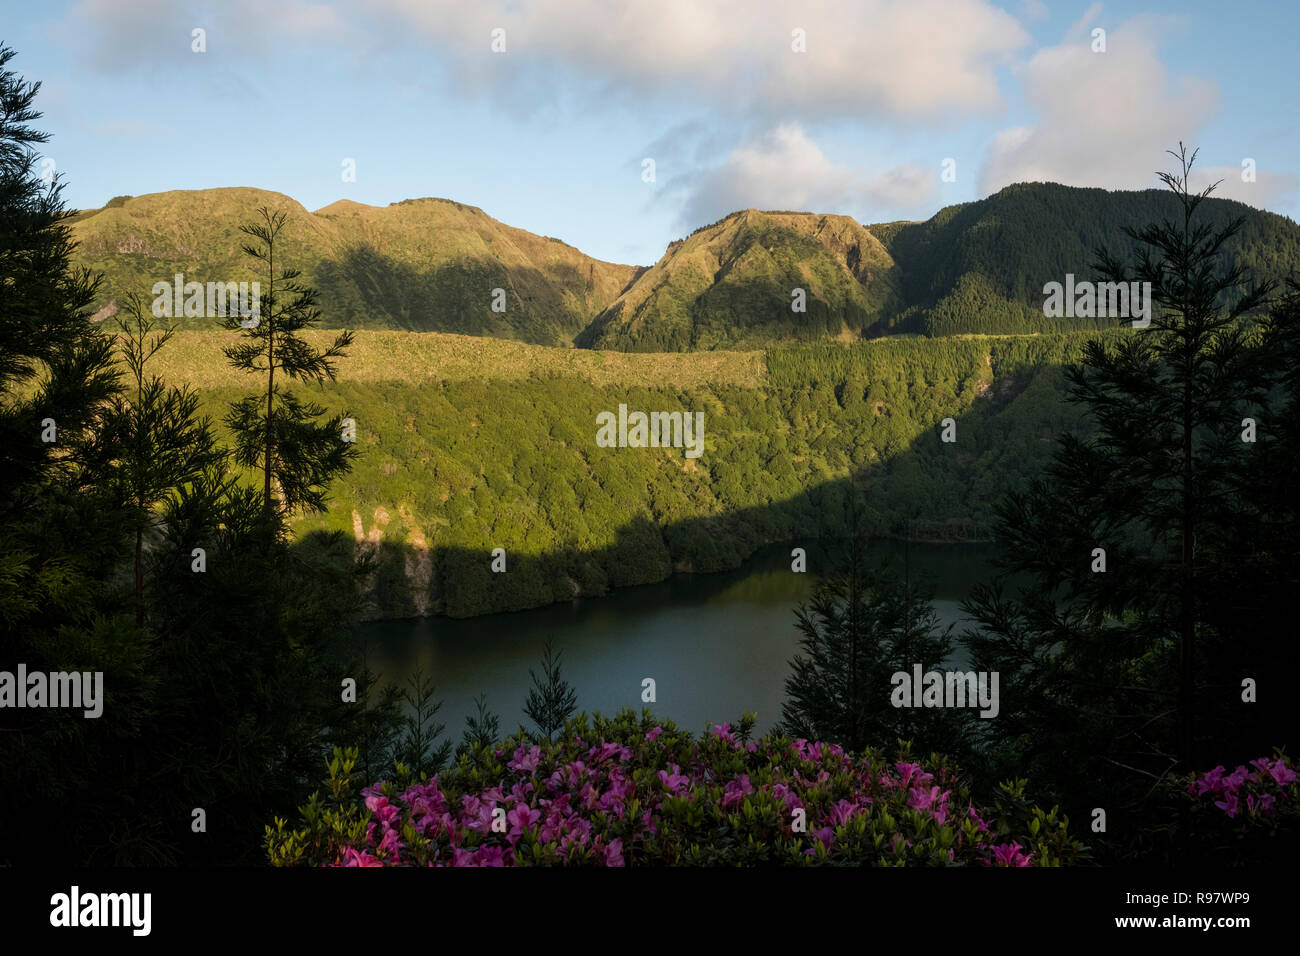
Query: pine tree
column 551, row 701
column 164, row 443
column 418, row 749
column 1124, row 536
column 859, row 629
column 277, row 433
column 482, row 729
column 57, row 377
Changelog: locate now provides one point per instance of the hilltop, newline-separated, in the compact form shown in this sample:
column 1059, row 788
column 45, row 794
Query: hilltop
column 420, row 264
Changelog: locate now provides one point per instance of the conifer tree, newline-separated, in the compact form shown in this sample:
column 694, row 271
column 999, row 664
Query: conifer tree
column 859, row 628
column 551, row 701
column 164, row 443
column 276, row 432
column 1102, row 656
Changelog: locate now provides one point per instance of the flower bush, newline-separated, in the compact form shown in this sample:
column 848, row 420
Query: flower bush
column 632, row 791
column 1251, row 814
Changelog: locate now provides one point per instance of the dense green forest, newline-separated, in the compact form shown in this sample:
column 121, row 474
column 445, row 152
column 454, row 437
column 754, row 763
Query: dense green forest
column 981, row 266
column 503, row 455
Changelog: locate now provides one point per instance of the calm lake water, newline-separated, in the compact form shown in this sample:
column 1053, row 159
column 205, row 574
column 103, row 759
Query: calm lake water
column 716, row 645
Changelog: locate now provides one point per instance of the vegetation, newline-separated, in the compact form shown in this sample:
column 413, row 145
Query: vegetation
column 974, row 268
column 862, row 626
column 132, row 547
column 634, row 791
column 551, row 700
column 464, row 451
column 1160, row 593
column 421, row 264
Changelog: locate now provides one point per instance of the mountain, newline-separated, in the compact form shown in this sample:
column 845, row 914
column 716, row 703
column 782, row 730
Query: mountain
column 431, row 265
column 978, row 267
column 981, row 266
column 732, row 285
column 421, row 264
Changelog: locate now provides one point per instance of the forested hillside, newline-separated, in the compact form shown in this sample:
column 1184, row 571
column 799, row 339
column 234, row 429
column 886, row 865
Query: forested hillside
column 981, row 266
column 460, row 457
column 977, row 267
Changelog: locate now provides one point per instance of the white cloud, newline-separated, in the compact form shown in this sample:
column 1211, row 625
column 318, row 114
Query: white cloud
column 119, row 36
column 1270, row 190
column 864, row 57
column 1103, row 119
column 784, row 169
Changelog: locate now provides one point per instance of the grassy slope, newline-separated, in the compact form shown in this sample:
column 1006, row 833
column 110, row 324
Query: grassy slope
column 729, row 285
column 425, row 264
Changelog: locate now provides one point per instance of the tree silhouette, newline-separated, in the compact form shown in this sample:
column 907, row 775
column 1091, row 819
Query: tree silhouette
column 1125, row 536
column 279, row 434
column 551, row 701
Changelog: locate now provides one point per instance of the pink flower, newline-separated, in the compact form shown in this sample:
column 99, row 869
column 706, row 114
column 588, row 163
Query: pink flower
column 1263, row 803
column 352, row 858
column 723, row 732
column 1281, row 773
column 842, row 811
column 614, row 853
column 675, row 782
column 1234, row 780
column 1230, row 806
column 1211, row 781
column 736, row 791
column 382, row 809
column 391, row 845
column 603, row 751
column 523, row 816
column 786, row 796
column 526, row 761
column 922, row 797
column 483, row 856
column 651, row 735
column 1009, row 854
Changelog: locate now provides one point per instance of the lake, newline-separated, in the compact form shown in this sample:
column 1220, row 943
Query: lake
column 716, row 645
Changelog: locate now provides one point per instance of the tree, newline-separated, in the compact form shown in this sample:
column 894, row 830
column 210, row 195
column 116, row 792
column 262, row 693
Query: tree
column 482, row 729
column 1126, row 536
column 419, row 750
column 164, row 443
column 57, row 376
column 281, row 435
column 551, row 701
column 858, row 630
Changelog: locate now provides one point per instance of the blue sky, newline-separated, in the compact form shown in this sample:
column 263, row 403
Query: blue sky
column 550, row 135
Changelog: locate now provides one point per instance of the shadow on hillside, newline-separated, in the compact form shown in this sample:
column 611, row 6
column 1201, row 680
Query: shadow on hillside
column 363, row 288
column 408, row 582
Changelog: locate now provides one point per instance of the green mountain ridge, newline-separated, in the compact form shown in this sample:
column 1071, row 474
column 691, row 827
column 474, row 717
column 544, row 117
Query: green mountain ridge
column 432, row 265
column 421, row 264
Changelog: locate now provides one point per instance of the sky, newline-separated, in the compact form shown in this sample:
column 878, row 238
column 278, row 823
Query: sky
column 544, row 113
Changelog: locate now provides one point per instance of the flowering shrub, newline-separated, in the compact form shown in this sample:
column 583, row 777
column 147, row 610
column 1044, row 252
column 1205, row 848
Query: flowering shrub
column 1241, row 815
column 630, row 791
